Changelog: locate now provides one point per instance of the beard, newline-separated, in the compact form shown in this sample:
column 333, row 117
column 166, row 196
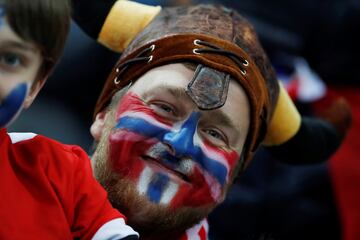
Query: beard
column 149, row 219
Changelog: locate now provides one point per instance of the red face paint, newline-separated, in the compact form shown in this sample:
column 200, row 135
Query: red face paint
column 194, row 174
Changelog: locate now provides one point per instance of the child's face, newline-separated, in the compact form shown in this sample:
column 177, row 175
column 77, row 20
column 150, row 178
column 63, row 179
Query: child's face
column 19, row 64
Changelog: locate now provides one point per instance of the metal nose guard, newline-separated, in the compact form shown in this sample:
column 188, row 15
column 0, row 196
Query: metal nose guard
column 208, row 88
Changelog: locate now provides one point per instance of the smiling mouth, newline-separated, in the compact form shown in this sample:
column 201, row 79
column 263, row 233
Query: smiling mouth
column 167, row 168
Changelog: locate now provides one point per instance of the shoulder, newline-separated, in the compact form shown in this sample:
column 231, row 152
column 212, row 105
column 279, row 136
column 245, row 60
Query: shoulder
column 34, row 140
column 46, row 150
column 17, row 137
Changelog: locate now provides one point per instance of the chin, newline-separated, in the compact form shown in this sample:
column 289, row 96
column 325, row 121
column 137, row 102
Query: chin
column 143, row 215
column 146, row 217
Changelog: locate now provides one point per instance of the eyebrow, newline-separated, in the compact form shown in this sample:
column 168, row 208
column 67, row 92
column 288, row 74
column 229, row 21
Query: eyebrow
column 176, row 92
column 219, row 117
column 19, row 45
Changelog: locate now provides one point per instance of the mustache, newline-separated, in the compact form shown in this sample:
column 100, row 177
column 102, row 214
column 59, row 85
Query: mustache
column 163, row 154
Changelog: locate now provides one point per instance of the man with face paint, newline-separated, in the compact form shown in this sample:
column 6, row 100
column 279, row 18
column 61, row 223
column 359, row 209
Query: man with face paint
column 183, row 111
column 180, row 116
column 163, row 160
column 47, row 188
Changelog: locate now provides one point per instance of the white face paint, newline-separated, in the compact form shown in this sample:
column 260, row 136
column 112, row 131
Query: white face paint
column 19, row 65
column 146, row 182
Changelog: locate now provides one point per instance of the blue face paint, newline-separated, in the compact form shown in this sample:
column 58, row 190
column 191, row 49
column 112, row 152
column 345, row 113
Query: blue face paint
column 172, row 163
column 11, row 105
column 181, row 140
column 157, row 186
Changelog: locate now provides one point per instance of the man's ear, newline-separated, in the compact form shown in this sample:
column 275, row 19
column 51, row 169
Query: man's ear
column 97, row 126
column 34, row 90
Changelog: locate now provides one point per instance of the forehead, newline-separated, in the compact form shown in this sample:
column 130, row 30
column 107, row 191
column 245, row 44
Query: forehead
column 171, row 81
column 9, row 38
column 5, row 29
column 171, row 75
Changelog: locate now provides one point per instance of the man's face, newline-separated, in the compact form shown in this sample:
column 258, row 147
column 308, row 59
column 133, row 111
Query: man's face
column 19, row 64
column 174, row 154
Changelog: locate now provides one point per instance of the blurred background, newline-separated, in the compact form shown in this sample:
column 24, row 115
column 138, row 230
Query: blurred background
column 314, row 47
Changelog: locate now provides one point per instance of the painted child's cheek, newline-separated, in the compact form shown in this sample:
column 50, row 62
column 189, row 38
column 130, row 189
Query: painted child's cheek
column 11, row 105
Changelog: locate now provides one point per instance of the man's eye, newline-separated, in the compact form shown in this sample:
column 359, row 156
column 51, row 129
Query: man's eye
column 163, row 109
column 10, row 59
column 215, row 134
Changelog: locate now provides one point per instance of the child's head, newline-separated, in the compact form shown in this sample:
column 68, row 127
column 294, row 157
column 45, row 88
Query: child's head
column 32, row 37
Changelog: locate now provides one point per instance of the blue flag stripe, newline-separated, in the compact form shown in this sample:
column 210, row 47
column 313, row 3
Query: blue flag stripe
column 142, row 127
column 157, row 187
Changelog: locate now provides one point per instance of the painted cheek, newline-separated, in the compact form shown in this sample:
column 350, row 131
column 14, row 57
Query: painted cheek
column 126, row 150
column 137, row 130
column 226, row 159
column 187, row 142
column 203, row 191
column 11, row 105
column 210, row 176
column 212, row 160
column 207, row 176
column 132, row 103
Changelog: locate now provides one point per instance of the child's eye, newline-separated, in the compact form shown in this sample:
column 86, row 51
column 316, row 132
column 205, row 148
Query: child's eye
column 10, row 60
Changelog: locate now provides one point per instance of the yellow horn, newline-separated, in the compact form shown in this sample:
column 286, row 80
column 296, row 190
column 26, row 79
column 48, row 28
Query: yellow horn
column 285, row 122
column 124, row 21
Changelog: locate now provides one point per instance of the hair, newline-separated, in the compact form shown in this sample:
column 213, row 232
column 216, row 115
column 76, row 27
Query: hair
column 44, row 23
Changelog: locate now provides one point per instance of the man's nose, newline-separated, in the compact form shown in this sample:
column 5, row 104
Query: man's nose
column 181, row 140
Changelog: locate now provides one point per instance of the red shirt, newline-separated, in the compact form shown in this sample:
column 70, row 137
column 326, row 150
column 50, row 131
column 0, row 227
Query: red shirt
column 47, row 190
